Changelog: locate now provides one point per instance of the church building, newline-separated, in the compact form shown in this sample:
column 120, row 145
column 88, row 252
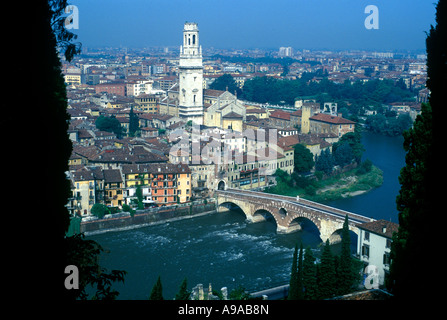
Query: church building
column 189, row 101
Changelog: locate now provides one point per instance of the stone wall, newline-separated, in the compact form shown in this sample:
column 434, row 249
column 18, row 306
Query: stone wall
column 147, row 217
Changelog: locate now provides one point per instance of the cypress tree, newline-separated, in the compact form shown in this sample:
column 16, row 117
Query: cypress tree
column 300, row 274
column 183, row 293
column 309, row 275
column 293, row 287
column 419, row 179
column 345, row 276
column 327, row 277
column 157, row 291
column 296, row 277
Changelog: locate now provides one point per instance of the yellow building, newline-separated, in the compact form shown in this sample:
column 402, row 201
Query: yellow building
column 72, row 78
column 184, row 185
column 147, row 102
column 87, row 185
column 113, row 188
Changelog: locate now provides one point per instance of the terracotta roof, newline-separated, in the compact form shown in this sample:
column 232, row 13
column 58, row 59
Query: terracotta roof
column 381, row 227
column 280, row 114
column 324, row 117
column 232, row 115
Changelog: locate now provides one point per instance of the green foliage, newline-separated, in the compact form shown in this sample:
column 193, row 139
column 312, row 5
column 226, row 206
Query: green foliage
column 325, row 162
column 63, row 36
column 358, row 94
column 134, row 124
column 84, row 254
column 353, row 139
column 239, row 293
column 309, row 276
column 345, row 274
column 343, row 154
column 157, row 291
column 389, row 124
column 296, row 277
column 183, row 293
column 327, row 276
column 99, row 210
column 139, row 194
column 50, row 37
column 109, row 124
column 226, row 82
column 414, row 199
column 364, row 167
column 303, row 159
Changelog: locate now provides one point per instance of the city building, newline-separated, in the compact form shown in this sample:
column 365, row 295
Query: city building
column 374, row 245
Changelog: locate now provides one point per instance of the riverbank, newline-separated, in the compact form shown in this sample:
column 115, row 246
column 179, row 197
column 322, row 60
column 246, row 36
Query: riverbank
column 348, row 184
column 145, row 218
column 343, row 185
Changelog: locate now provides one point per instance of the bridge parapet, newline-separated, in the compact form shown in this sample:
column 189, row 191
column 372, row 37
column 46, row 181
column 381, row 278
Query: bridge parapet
column 285, row 210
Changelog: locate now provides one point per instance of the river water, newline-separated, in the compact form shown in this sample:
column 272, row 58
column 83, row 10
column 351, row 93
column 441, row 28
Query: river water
column 224, row 250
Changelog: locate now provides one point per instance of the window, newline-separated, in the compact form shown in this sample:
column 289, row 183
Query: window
column 386, row 258
column 365, row 251
column 388, row 243
column 366, row 235
column 193, row 39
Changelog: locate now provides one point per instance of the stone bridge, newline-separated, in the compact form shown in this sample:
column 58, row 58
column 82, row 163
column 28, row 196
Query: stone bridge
column 289, row 213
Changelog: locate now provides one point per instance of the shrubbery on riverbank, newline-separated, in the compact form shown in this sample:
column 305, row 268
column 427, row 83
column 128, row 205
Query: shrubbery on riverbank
column 346, row 184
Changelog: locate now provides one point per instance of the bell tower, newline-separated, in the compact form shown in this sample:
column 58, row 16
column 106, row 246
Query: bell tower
column 191, row 75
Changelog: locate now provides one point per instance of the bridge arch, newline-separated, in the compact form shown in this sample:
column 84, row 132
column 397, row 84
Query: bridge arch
column 336, row 237
column 263, row 214
column 282, row 212
column 304, row 223
column 221, row 185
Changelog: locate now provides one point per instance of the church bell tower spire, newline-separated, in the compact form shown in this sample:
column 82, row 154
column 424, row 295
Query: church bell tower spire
column 191, row 75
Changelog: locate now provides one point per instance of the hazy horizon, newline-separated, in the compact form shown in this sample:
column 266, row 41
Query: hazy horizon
column 336, row 25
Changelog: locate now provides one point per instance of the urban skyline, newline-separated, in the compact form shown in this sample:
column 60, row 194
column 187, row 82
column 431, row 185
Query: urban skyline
column 265, row 24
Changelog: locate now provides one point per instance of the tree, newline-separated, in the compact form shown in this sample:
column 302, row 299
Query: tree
column 309, row 275
column 354, row 139
column 134, row 124
column 139, row 194
column 226, row 82
column 239, row 293
column 50, row 38
column 109, row 124
column 157, row 291
column 296, row 276
column 99, row 210
column 84, row 254
column 327, row 276
column 183, row 293
column 325, row 162
column 343, row 155
column 420, row 194
column 345, row 275
column 303, row 159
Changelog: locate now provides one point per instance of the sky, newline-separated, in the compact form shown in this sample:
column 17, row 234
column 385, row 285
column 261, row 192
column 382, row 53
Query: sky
column 264, row 24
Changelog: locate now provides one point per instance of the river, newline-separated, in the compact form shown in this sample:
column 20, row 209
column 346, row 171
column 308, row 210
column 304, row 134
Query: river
column 224, row 250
